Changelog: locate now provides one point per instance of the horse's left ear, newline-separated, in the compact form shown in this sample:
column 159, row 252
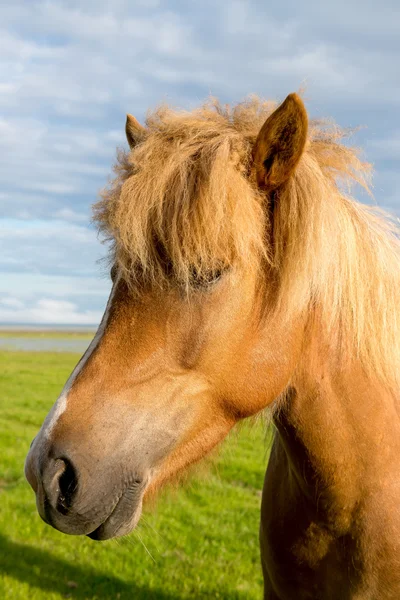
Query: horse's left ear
column 280, row 143
column 134, row 131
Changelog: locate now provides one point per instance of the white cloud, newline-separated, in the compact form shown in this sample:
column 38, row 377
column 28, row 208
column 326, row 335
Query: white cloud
column 387, row 148
column 27, row 287
column 48, row 247
column 47, row 311
column 67, row 214
column 10, row 302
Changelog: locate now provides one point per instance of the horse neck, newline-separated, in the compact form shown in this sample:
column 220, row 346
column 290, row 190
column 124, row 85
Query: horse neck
column 340, row 432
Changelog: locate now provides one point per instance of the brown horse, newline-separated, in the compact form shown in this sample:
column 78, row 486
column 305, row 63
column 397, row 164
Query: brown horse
column 244, row 276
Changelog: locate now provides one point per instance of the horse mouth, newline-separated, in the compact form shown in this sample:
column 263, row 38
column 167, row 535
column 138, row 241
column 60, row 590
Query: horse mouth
column 124, row 517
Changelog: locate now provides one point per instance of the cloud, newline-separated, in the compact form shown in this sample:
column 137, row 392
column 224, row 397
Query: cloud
column 92, row 290
column 49, row 298
column 387, row 148
column 68, row 214
column 47, row 167
column 46, row 311
column 51, row 247
column 12, row 303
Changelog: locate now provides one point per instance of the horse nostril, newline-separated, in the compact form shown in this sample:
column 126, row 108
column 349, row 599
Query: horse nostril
column 67, row 486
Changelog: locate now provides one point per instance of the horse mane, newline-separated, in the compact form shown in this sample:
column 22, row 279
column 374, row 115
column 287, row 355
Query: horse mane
column 184, row 205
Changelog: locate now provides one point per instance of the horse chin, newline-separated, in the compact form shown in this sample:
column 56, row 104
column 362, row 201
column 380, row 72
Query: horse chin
column 123, row 518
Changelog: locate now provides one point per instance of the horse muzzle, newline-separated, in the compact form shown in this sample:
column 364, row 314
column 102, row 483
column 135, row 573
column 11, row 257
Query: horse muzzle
column 78, row 500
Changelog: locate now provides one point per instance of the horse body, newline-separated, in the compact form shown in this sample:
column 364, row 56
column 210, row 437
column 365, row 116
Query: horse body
column 330, row 521
column 243, row 277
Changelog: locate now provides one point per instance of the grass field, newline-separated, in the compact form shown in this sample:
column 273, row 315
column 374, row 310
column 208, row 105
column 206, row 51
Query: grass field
column 200, row 542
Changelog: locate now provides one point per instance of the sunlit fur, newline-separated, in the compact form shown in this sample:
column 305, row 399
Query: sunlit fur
column 185, row 202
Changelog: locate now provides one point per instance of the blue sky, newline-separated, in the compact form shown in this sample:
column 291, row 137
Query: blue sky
column 70, row 71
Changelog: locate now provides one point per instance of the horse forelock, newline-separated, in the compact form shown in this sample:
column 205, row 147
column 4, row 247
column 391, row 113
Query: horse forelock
column 183, row 198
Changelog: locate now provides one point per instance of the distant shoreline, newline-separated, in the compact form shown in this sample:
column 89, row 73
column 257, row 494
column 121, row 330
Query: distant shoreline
column 39, row 330
column 47, row 327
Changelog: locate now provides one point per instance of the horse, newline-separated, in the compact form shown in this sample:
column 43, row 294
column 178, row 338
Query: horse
column 245, row 276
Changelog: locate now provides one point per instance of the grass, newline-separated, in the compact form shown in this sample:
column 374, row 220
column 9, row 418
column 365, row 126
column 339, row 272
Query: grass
column 201, row 541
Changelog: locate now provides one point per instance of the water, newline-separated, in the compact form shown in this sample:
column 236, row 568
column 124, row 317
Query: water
column 45, row 344
column 51, row 327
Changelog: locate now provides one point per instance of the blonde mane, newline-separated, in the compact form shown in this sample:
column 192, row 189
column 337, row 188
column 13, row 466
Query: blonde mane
column 184, row 205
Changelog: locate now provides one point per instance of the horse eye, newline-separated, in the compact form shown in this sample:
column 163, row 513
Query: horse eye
column 113, row 272
column 204, row 279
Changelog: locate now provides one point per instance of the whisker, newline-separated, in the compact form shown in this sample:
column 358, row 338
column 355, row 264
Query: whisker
column 145, row 547
column 145, row 522
column 152, row 539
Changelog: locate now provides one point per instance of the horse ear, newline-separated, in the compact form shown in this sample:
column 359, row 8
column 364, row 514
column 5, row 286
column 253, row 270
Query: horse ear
column 280, row 143
column 134, row 131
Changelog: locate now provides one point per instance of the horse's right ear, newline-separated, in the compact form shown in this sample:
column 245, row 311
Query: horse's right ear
column 134, row 131
column 280, row 143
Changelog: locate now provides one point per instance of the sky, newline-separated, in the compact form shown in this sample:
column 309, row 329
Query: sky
column 70, row 71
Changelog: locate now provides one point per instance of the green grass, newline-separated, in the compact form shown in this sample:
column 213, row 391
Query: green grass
column 202, row 538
